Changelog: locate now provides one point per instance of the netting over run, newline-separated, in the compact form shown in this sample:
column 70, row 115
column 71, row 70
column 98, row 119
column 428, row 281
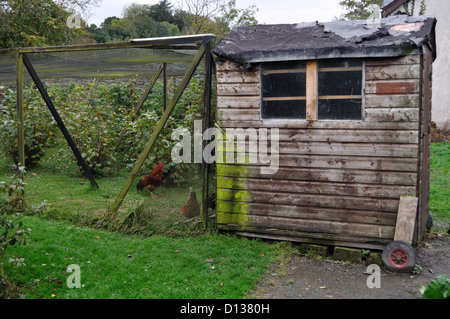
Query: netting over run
column 121, row 60
column 112, row 100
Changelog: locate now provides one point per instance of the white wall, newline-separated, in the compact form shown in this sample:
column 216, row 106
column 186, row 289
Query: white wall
column 441, row 67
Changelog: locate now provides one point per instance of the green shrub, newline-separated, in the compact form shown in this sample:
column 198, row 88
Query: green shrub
column 39, row 130
column 95, row 115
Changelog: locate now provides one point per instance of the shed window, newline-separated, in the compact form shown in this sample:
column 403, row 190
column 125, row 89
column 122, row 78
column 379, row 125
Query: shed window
column 313, row 90
column 284, row 90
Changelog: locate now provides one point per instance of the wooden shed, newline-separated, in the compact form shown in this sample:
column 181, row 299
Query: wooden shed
column 352, row 104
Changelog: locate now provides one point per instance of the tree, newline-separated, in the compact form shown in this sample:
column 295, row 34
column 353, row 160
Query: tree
column 83, row 5
column 232, row 17
column 215, row 16
column 162, row 11
column 359, row 9
column 197, row 15
column 35, row 23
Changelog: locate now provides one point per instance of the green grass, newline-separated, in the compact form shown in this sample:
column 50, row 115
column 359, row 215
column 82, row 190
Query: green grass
column 440, row 182
column 114, row 265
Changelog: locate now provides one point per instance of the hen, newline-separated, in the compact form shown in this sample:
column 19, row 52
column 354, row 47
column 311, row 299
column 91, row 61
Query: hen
column 152, row 181
column 192, row 208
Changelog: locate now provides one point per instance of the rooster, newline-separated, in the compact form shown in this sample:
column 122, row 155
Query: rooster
column 152, row 181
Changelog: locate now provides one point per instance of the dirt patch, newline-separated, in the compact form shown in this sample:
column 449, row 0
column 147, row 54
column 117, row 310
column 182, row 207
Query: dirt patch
column 311, row 278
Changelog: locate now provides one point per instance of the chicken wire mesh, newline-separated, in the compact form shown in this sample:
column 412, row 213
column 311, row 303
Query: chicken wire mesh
column 96, row 93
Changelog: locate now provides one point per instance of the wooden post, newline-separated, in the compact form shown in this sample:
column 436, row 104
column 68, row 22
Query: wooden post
column 165, row 86
column 141, row 102
column 311, row 90
column 58, row 120
column 162, row 122
column 206, row 125
column 20, row 118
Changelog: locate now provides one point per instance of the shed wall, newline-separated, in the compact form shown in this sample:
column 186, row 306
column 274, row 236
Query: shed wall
column 339, row 182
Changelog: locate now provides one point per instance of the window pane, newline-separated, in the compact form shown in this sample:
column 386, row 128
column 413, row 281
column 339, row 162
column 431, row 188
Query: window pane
column 284, row 110
column 284, row 85
column 340, row 109
column 340, row 83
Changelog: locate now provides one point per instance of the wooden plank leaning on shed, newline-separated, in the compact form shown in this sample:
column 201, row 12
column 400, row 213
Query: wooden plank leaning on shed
column 339, row 182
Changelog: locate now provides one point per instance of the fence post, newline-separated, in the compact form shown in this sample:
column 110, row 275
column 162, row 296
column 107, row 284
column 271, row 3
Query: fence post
column 20, row 118
column 206, row 125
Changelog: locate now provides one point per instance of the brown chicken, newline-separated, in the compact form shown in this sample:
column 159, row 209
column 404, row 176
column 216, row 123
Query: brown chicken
column 192, row 208
column 152, row 181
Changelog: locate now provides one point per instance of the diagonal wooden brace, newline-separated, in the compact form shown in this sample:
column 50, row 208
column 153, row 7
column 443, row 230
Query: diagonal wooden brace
column 159, row 127
column 58, row 120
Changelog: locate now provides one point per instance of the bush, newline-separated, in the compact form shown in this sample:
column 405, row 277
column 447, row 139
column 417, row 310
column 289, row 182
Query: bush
column 39, row 130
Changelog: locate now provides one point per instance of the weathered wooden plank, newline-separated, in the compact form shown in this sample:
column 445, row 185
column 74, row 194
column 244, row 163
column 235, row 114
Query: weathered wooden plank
column 232, row 66
column 340, row 149
column 308, row 212
column 410, row 59
column 349, row 125
column 392, row 87
column 392, row 115
column 349, row 136
column 325, row 175
column 330, row 201
column 349, row 162
column 344, row 136
column 311, row 90
column 392, row 101
column 406, row 219
column 393, row 72
column 313, row 238
column 241, row 102
column 227, row 89
column 316, row 188
column 238, row 114
column 311, row 226
column 237, row 77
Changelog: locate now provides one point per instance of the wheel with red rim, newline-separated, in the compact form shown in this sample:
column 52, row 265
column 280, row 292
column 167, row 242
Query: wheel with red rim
column 399, row 256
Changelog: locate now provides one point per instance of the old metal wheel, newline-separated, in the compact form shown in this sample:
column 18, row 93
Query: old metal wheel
column 399, row 256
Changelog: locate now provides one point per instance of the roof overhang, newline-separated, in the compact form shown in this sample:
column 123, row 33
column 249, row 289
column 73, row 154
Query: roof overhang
column 389, row 37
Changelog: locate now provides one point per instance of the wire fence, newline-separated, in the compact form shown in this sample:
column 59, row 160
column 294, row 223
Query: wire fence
column 111, row 102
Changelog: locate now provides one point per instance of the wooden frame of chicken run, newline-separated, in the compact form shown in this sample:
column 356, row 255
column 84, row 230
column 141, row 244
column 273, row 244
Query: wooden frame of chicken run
column 200, row 43
column 352, row 103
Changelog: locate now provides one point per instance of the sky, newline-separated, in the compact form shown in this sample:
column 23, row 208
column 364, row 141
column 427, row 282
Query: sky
column 270, row 11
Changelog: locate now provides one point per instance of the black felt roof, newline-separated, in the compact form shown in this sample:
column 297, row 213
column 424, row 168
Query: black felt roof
column 389, row 37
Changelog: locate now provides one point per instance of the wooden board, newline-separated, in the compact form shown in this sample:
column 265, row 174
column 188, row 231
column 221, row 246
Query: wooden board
column 321, row 175
column 392, row 101
column 311, row 90
column 392, row 87
column 393, row 72
column 406, row 219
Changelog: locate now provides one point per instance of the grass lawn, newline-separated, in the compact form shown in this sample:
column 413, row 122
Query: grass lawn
column 113, row 265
